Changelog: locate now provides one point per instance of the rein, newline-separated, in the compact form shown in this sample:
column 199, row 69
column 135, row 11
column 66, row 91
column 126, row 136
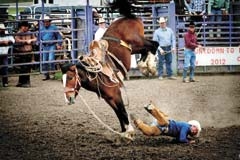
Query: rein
column 119, row 62
column 95, row 69
column 123, row 134
column 121, row 42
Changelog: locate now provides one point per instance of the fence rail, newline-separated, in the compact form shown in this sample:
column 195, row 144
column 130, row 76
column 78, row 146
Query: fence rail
column 78, row 25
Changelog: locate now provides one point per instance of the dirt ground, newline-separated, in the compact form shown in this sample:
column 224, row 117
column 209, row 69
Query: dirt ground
column 36, row 124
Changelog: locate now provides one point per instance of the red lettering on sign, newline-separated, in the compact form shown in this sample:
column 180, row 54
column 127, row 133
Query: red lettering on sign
column 218, row 61
column 220, row 50
column 227, row 50
column 231, row 50
column 238, row 59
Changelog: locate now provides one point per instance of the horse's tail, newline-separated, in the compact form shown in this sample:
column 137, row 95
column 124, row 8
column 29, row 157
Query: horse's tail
column 123, row 6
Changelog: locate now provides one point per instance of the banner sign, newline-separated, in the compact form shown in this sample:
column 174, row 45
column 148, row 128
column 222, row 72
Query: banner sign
column 217, row 56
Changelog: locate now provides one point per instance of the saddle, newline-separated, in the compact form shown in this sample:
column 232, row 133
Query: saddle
column 99, row 61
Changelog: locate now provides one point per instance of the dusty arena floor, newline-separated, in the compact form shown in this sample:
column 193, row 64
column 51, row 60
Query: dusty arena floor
column 36, row 124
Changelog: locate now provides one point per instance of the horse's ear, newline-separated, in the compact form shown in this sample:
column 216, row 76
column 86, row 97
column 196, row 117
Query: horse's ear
column 65, row 67
column 92, row 45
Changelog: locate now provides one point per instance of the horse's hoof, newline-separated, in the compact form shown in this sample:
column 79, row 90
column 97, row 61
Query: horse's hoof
column 128, row 136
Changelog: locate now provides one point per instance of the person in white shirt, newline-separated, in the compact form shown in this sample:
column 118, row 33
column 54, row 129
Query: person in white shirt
column 5, row 43
column 101, row 29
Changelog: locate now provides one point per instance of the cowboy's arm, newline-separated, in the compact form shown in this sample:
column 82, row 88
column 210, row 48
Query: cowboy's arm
column 6, row 42
column 226, row 6
column 204, row 8
column 210, row 3
column 183, row 135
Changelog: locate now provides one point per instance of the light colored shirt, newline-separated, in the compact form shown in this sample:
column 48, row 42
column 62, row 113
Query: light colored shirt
column 51, row 33
column 165, row 37
column 4, row 49
column 99, row 33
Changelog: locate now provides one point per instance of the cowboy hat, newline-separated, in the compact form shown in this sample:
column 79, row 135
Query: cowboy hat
column 46, row 18
column 161, row 20
column 101, row 20
column 191, row 23
column 196, row 124
column 2, row 26
column 24, row 23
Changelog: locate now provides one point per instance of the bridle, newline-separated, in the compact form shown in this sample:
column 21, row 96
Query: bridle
column 76, row 87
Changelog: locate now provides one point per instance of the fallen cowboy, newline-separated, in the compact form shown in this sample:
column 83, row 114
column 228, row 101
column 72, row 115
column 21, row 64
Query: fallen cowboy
column 183, row 132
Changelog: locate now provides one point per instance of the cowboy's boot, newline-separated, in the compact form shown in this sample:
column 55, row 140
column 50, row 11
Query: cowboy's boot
column 161, row 117
column 144, row 128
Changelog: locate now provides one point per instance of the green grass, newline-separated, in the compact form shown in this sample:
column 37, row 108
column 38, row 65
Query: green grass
column 58, row 75
column 12, row 11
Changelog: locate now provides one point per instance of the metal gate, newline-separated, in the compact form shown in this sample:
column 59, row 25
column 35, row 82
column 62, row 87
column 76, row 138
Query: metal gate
column 78, row 26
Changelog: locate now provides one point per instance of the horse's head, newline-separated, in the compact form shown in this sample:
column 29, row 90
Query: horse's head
column 71, row 82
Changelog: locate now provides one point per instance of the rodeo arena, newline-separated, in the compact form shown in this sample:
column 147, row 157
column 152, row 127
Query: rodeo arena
column 70, row 93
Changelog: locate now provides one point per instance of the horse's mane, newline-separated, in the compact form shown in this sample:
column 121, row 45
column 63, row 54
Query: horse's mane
column 123, row 6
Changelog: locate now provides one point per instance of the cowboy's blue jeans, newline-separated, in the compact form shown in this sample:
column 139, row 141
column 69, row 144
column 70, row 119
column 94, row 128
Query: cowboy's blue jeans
column 189, row 62
column 167, row 59
column 48, row 55
column 216, row 15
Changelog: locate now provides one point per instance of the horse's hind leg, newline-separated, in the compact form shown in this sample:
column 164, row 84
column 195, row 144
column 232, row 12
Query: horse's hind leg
column 151, row 45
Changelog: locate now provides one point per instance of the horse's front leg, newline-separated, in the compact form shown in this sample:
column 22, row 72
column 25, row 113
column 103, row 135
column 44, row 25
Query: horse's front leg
column 120, row 111
column 117, row 104
column 119, row 108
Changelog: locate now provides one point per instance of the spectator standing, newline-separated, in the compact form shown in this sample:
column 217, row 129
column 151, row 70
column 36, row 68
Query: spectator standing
column 191, row 44
column 51, row 41
column 101, row 29
column 196, row 8
column 162, row 125
column 5, row 42
column 96, row 16
column 167, row 45
column 216, row 10
column 24, row 41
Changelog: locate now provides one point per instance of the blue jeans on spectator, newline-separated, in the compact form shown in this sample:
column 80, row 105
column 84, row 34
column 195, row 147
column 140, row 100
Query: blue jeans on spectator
column 189, row 62
column 48, row 55
column 4, row 70
column 216, row 15
column 167, row 58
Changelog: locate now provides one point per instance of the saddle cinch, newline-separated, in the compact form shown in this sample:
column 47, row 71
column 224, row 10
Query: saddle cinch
column 99, row 61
